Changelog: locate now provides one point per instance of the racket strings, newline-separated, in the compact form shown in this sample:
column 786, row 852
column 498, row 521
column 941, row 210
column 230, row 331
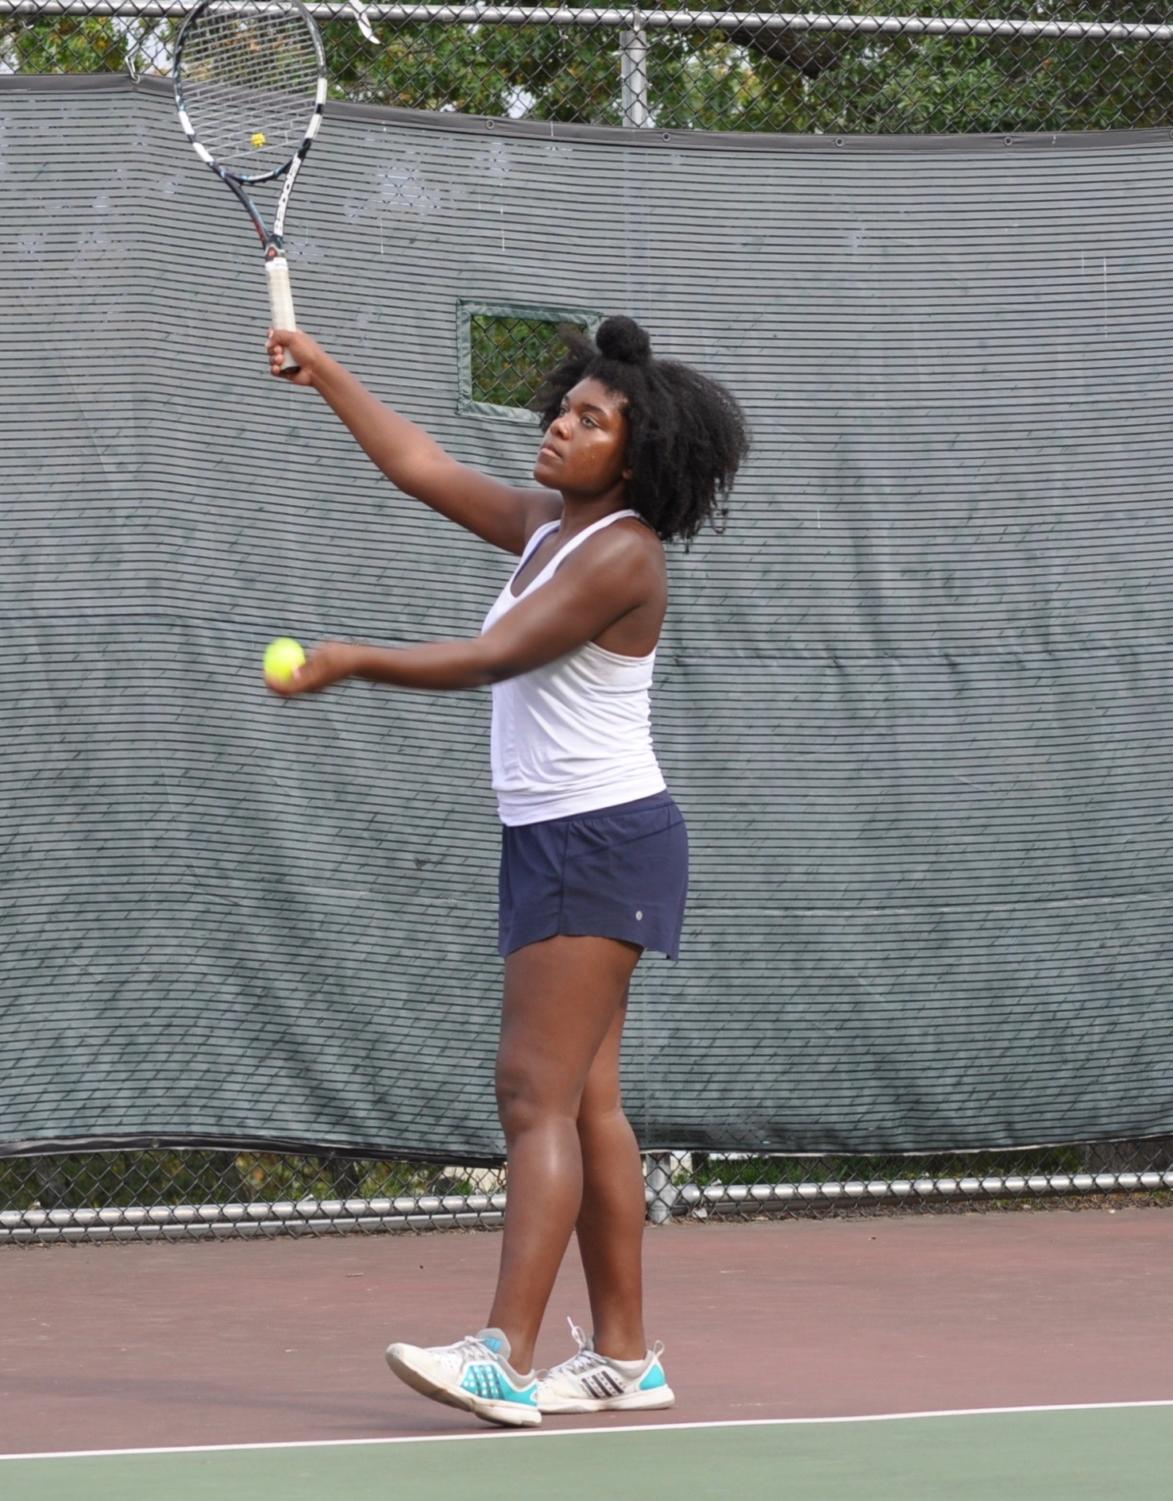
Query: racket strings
column 250, row 84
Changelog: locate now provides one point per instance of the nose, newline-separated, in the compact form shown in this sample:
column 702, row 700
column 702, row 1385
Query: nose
column 559, row 425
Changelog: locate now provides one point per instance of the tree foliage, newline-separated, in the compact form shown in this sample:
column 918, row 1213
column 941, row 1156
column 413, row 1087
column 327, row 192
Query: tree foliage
column 746, row 77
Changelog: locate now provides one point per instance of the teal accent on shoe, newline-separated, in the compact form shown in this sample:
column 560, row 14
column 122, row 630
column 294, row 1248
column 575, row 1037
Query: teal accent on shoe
column 654, row 1378
column 489, row 1382
column 492, row 1342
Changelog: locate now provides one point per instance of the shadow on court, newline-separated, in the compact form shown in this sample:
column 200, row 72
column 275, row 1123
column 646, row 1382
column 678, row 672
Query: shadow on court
column 156, row 1345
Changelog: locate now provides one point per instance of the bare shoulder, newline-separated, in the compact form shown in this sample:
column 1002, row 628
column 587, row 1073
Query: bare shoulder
column 635, row 541
column 628, row 549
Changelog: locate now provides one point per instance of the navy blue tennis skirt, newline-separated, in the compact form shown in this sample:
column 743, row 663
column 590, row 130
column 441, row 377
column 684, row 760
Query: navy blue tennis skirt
column 618, row 872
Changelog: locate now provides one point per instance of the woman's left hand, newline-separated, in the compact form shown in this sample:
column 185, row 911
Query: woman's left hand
column 327, row 664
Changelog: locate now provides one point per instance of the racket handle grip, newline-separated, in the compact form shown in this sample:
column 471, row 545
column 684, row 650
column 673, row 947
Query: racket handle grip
column 281, row 301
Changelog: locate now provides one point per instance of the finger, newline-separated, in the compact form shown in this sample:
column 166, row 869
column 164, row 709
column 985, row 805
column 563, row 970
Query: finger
column 290, row 686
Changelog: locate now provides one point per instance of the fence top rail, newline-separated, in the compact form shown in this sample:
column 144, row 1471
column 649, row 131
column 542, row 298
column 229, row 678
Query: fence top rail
column 635, row 18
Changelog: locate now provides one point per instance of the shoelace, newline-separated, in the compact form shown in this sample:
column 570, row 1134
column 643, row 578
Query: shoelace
column 585, row 1360
column 472, row 1348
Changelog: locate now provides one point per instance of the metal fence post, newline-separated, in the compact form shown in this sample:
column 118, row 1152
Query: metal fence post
column 659, row 1169
column 633, row 72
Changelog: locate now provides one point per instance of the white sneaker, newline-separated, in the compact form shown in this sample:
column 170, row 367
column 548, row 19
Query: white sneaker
column 590, row 1382
column 474, row 1374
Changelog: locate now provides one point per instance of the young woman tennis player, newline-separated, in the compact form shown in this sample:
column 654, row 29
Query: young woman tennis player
column 594, row 864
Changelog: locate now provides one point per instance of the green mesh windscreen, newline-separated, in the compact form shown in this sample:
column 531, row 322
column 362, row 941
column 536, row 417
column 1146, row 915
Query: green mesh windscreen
column 914, row 702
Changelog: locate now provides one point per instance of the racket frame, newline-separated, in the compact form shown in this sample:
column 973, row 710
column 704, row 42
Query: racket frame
column 272, row 240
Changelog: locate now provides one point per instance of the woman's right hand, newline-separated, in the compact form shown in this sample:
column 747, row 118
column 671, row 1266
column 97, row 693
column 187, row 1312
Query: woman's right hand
column 310, row 356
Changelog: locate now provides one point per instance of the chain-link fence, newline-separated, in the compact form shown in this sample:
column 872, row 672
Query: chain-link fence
column 911, row 69
column 174, row 1193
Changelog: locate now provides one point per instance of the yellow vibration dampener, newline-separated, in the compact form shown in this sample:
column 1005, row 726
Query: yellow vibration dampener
column 258, row 139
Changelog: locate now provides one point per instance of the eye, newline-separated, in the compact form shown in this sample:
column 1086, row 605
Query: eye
column 589, row 422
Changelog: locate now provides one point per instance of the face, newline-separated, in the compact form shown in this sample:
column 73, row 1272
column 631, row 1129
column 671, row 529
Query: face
column 584, row 449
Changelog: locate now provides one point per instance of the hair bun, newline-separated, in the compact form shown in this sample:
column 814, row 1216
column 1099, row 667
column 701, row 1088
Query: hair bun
column 623, row 340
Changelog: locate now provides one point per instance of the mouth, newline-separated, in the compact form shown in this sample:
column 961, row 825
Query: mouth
column 548, row 450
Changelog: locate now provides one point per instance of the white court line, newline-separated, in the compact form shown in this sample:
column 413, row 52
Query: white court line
column 532, row 1433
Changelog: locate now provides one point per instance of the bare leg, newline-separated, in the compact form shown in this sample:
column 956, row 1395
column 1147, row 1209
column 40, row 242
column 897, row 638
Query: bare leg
column 561, row 999
column 611, row 1221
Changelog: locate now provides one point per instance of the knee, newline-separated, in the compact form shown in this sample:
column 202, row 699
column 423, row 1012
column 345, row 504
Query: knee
column 601, row 1104
column 601, row 1118
column 525, row 1099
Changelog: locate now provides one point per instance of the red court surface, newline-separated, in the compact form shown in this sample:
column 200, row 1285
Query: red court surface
column 156, row 1344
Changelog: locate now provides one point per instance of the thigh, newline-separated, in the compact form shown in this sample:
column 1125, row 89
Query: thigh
column 562, row 997
column 601, row 1094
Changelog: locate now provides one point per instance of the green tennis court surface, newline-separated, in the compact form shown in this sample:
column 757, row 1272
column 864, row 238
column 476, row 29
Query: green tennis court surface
column 1100, row 1454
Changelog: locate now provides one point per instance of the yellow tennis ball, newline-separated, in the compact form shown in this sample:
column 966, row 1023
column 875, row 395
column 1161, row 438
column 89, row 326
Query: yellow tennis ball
column 282, row 659
column 258, row 139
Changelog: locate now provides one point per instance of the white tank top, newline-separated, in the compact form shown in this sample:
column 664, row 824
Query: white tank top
column 576, row 734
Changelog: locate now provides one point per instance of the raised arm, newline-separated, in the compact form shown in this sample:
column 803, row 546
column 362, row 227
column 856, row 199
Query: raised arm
column 411, row 459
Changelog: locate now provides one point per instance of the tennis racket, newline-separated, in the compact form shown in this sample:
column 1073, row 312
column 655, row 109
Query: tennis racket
column 250, row 84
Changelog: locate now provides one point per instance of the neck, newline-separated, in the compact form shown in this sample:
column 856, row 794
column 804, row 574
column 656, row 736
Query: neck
column 579, row 512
